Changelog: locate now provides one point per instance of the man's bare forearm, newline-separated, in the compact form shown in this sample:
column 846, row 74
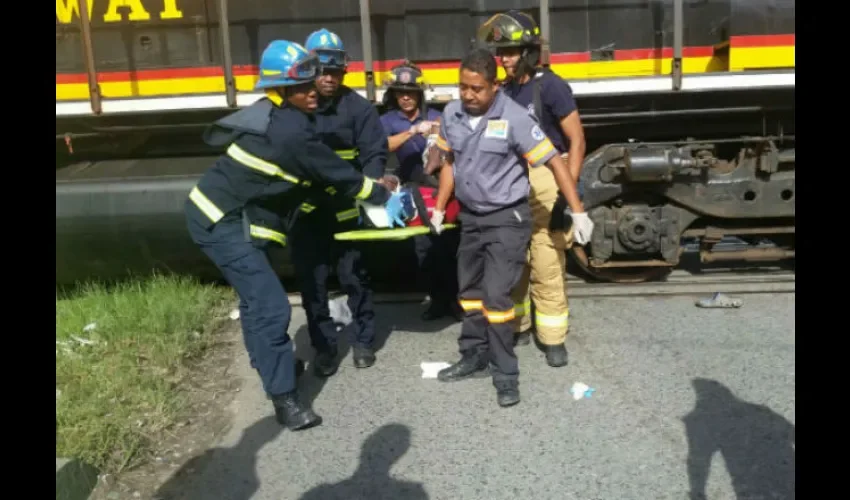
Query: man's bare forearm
column 575, row 160
column 566, row 184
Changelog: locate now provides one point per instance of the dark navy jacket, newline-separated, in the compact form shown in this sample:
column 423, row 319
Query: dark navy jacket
column 349, row 123
column 556, row 99
column 274, row 161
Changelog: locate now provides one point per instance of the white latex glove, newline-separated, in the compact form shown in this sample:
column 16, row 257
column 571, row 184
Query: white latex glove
column 437, row 218
column 582, row 227
column 423, row 128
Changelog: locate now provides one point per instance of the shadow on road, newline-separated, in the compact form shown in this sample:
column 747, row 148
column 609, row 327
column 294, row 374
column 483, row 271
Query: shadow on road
column 240, row 464
column 757, row 444
column 372, row 479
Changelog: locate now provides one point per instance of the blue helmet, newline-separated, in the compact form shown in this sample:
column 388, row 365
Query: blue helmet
column 328, row 47
column 285, row 63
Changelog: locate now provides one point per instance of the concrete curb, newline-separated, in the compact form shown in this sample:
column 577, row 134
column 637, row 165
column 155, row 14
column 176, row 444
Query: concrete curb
column 74, row 479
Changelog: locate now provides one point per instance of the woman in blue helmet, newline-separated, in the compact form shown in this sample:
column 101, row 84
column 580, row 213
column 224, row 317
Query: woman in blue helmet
column 249, row 198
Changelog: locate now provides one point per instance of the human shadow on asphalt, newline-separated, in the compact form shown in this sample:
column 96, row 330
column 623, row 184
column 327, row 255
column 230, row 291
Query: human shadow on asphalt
column 371, row 480
column 238, row 463
column 757, row 444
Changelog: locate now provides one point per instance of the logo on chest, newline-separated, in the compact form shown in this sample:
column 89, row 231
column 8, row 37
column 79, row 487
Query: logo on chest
column 496, row 129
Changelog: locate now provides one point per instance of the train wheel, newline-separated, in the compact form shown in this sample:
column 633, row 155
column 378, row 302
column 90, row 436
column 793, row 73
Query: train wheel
column 636, row 274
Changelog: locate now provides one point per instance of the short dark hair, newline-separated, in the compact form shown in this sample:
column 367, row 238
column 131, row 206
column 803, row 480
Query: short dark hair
column 480, row 61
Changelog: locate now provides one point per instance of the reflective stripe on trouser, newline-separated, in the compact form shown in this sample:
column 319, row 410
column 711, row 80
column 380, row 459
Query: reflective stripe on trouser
column 490, row 258
column 544, row 272
column 265, row 311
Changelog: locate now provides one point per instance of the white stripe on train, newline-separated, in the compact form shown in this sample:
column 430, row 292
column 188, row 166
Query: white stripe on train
column 613, row 86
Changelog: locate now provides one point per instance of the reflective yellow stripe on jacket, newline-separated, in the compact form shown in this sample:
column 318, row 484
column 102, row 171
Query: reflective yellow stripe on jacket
column 347, row 154
column 215, row 214
column 265, row 233
column 247, row 159
column 205, row 205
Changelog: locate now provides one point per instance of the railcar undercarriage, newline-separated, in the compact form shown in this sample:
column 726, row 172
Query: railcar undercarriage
column 648, row 199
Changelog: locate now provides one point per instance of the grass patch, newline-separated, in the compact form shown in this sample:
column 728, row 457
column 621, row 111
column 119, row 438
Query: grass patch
column 117, row 382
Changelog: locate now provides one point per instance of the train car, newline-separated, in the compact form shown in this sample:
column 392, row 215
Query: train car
column 688, row 107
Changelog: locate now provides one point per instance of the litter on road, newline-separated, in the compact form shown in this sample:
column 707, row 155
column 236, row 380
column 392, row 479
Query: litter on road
column 580, row 390
column 430, row 369
column 719, row 300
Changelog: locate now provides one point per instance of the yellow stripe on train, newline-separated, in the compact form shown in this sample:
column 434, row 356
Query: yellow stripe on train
column 738, row 59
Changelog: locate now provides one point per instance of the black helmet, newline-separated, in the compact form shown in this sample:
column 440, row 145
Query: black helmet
column 510, row 29
column 405, row 76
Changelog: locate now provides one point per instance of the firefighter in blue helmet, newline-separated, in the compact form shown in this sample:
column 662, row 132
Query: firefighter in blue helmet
column 249, row 198
column 349, row 124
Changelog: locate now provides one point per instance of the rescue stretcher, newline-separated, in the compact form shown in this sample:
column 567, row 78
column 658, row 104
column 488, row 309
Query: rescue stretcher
column 417, row 218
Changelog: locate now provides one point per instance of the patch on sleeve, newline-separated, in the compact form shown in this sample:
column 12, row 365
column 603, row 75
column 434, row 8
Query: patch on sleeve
column 537, row 134
column 497, row 129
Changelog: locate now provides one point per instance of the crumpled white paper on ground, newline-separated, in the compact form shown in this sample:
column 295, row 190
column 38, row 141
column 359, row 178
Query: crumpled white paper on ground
column 580, row 390
column 430, row 369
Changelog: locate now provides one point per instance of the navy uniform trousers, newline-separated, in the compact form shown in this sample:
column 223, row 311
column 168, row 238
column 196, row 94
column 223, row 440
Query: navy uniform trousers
column 491, row 257
column 437, row 265
column 264, row 308
column 313, row 252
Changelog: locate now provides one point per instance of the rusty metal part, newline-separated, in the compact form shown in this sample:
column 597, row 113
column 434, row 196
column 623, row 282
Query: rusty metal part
column 749, row 254
column 714, row 232
column 366, row 37
column 545, row 35
column 759, row 187
column 88, row 53
column 226, row 57
column 632, row 272
column 678, row 42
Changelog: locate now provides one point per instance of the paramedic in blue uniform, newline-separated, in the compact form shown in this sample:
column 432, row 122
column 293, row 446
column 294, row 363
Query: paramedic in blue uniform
column 407, row 121
column 490, row 141
column 350, row 125
column 246, row 200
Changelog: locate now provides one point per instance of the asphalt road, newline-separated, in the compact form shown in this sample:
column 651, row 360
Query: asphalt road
column 683, row 396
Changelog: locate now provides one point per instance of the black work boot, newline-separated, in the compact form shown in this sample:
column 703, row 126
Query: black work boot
column 523, row 337
column 324, row 364
column 456, row 312
column 507, row 392
column 439, row 310
column 293, row 414
column 364, row 357
column 471, row 365
column 556, row 355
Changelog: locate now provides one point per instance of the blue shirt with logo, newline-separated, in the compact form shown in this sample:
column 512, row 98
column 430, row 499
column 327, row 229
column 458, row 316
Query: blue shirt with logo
column 409, row 155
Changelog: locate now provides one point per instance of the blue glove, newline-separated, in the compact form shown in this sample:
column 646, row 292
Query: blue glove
column 395, row 208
